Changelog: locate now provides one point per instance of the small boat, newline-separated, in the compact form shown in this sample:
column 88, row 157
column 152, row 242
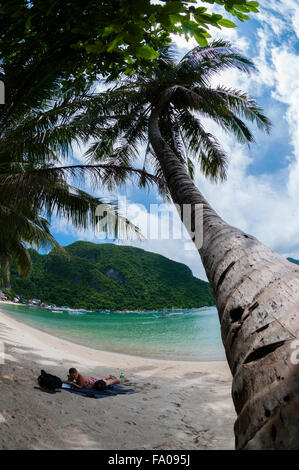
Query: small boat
column 79, row 311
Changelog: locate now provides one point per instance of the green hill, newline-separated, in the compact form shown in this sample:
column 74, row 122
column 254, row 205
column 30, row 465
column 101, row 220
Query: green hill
column 108, row 276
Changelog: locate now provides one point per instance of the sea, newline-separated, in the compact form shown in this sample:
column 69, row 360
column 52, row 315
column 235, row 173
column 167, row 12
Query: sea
column 187, row 335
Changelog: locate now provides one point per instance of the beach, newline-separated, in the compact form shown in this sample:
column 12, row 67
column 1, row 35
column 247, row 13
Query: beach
column 180, row 405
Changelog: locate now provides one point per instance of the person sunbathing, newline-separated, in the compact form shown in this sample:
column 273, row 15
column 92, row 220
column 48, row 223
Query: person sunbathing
column 99, row 383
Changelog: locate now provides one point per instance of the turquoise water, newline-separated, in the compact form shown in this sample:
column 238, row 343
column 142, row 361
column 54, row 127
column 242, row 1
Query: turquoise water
column 189, row 335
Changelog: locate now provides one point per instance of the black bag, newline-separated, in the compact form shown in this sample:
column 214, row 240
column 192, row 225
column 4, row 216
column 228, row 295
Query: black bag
column 100, row 385
column 49, row 382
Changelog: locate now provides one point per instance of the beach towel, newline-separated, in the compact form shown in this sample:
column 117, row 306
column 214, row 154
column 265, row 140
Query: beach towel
column 110, row 391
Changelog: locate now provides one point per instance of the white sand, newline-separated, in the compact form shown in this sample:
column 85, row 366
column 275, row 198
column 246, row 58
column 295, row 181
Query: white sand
column 180, row 405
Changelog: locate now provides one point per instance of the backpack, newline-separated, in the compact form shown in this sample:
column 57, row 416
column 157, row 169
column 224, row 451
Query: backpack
column 48, row 382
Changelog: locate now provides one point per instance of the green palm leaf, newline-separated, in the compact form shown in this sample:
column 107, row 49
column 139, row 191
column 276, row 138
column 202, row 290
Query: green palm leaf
column 183, row 96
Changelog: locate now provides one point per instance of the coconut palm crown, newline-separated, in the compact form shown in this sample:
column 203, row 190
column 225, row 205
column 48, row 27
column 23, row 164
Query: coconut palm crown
column 180, row 95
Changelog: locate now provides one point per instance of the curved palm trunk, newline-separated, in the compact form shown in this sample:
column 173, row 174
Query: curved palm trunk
column 5, row 267
column 257, row 297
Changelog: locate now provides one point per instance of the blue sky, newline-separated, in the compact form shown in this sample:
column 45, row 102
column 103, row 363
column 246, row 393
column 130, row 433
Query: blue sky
column 261, row 194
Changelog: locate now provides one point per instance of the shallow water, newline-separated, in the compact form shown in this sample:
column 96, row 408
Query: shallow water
column 189, row 335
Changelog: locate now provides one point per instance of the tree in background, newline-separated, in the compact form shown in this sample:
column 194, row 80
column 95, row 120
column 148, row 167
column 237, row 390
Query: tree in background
column 20, row 233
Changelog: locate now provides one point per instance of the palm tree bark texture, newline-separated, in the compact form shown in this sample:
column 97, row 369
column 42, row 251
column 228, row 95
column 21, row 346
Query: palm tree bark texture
column 257, row 298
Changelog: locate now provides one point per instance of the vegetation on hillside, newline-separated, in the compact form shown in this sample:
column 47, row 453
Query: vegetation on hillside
column 108, row 276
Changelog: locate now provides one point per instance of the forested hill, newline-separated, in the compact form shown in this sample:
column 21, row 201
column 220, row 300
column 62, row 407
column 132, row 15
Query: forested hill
column 108, row 276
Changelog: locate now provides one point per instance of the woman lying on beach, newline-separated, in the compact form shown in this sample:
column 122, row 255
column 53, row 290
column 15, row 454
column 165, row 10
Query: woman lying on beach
column 99, row 383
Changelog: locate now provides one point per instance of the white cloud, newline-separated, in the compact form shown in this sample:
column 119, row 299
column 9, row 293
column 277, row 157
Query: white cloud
column 286, row 74
column 281, row 16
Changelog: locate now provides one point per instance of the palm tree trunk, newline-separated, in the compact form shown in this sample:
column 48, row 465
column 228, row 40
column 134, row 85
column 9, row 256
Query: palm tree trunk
column 257, row 298
column 5, row 267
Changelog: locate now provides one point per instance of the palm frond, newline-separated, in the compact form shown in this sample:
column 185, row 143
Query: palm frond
column 244, row 105
column 191, row 168
column 21, row 257
column 201, row 63
column 232, row 124
column 119, row 143
column 203, row 147
column 31, row 230
column 47, row 190
column 108, row 175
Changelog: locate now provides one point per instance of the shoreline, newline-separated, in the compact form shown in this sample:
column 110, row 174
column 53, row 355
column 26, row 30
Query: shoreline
column 60, row 335
column 10, row 302
column 180, row 404
column 91, row 350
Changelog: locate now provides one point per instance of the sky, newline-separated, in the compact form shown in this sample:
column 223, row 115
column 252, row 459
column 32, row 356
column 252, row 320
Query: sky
column 261, row 193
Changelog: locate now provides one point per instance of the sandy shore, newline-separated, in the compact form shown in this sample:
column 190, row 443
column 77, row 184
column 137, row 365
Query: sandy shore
column 180, row 405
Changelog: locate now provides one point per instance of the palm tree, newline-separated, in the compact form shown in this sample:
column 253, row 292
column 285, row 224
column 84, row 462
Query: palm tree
column 256, row 291
column 17, row 237
column 35, row 135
